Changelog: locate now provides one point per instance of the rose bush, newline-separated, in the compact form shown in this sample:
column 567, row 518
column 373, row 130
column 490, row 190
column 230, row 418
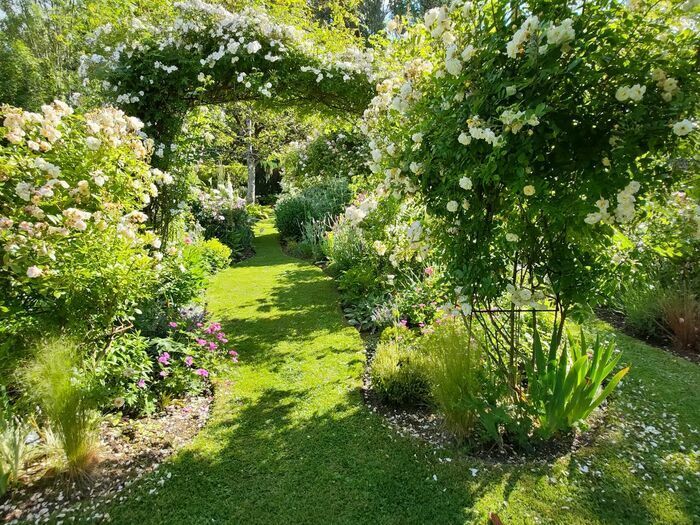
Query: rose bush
column 530, row 133
column 73, row 240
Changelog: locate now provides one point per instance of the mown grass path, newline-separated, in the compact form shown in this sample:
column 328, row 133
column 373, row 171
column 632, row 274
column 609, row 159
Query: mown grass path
column 290, row 440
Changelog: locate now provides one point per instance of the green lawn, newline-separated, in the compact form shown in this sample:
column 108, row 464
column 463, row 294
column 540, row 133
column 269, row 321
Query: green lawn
column 290, row 440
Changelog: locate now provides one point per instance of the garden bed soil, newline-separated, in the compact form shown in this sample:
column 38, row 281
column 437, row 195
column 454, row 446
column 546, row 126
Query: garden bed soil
column 129, row 449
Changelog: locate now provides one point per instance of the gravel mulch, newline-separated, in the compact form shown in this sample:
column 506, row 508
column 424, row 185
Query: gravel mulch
column 129, row 450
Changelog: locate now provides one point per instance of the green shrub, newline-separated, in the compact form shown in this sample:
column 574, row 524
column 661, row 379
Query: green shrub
column 398, row 376
column 217, row 255
column 457, row 374
column 120, row 371
column 94, row 258
column 345, row 246
column 181, row 281
column 313, row 241
column 224, row 216
column 63, row 392
column 642, row 308
column 321, row 203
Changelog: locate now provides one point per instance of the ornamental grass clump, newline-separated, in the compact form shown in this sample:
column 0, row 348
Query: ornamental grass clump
column 56, row 383
column 457, row 372
column 398, row 375
column 680, row 312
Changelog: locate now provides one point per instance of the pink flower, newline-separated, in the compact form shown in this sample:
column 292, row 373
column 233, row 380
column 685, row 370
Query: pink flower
column 234, row 356
column 164, row 358
column 222, row 337
column 403, row 323
column 202, row 372
column 163, row 373
column 141, row 383
column 189, row 360
column 429, row 271
column 201, row 342
column 214, row 327
column 172, row 324
column 199, row 325
column 212, row 346
column 187, row 240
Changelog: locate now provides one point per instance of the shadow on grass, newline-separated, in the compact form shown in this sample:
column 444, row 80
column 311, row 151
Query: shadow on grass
column 292, row 442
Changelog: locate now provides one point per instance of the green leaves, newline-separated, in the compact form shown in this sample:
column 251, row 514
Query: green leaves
column 566, row 390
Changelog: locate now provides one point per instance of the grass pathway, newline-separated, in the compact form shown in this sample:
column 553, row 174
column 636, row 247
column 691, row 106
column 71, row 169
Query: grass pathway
column 290, row 440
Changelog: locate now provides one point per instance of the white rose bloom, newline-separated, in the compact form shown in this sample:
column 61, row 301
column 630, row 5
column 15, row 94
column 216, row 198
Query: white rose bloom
column 622, row 93
column 452, row 206
column 465, row 183
column 511, row 237
column 557, row 35
column 34, row 272
column 417, row 138
column 453, row 66
column 253, row 47
column 93, row 143
column 464, row 139
column 379, row 247
column 683, row 127
column 529, row 190
column 468, row 53
column 636, row 92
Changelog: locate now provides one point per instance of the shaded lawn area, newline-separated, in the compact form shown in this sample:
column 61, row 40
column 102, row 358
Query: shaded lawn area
column 290, row 440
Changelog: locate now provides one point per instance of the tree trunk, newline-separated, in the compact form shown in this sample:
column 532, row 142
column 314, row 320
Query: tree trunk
column 250, row 158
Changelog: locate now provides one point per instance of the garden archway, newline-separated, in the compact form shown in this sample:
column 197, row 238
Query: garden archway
column 209, row 55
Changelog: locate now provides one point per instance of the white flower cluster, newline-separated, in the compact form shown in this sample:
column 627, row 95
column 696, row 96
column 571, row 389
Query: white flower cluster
column 478, row 131
column 624, row 212
column 43, row 148
column 17, row 124
column 516, row 44
column 633, row 93
column 221, row 36
column 215, row 202
column 562, row 33
column 668, row 85
column 524, row 297
column 356, row 214
column 514, row 120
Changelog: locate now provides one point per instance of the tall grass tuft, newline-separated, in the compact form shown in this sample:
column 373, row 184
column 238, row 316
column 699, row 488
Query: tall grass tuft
column 456, row 371
column 56, row 384
column 398, row 376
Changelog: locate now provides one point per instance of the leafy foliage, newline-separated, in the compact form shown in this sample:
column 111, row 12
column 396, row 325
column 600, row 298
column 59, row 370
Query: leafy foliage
column 398, row 375
column 317, row 203
column 566, row 388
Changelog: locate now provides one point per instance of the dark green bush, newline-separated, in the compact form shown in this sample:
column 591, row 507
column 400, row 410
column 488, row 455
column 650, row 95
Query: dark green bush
column 398, row 375
column 320, row 203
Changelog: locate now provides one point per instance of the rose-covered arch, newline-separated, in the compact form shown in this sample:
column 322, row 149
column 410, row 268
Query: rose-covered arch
column 209, row 55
